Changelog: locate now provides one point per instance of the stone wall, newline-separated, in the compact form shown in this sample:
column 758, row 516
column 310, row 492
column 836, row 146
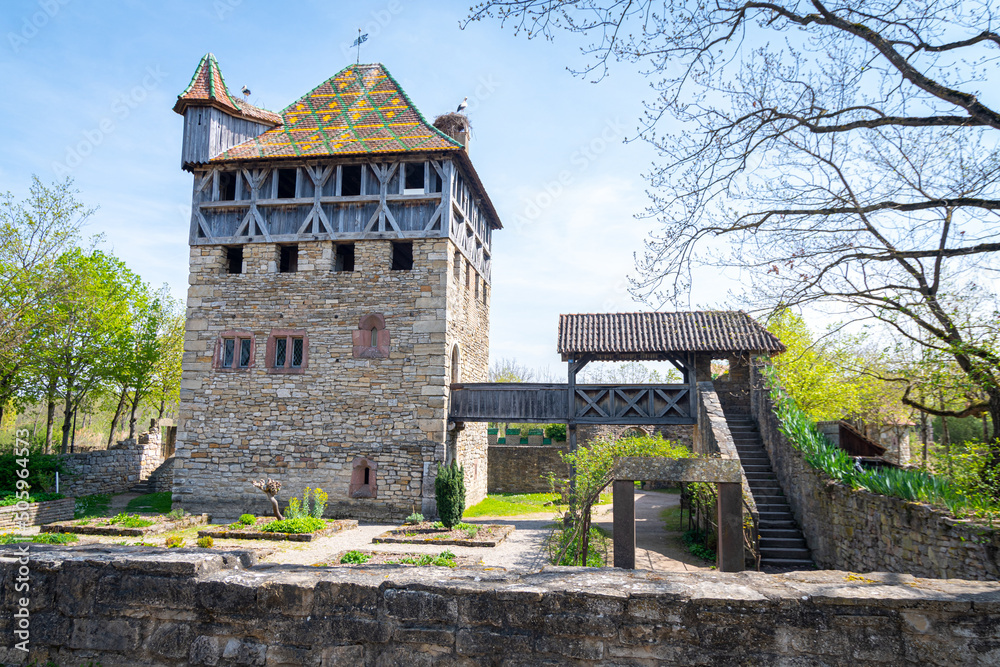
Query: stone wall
column 307, row 428
column 161, row 480
column 37, row 513
column 151, row 606
column 522, row 468
column 713, row 437
column 858, row 530
column 114, row 470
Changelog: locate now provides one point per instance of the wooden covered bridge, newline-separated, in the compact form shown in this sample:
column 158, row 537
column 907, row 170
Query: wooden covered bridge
column 690, row 341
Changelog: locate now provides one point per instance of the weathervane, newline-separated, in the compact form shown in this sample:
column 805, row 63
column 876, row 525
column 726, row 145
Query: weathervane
column 359, row 41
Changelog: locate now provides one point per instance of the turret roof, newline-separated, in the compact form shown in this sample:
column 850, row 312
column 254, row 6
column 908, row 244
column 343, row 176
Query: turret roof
column 208, row 88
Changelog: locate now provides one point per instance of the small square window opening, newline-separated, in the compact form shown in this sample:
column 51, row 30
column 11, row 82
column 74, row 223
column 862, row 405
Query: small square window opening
column 402, row 255
column 344, row 261
column 227, row 186
column 289, row 259
column 414, row 178
column 234, row 259
column 350, row 180
column 286, row 183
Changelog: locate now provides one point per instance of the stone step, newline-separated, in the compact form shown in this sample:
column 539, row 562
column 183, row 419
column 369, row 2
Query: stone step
column 756, row 467
column 773, row 508
column 780, row 533
column 788, row 523
column 771, row 486
column 801, row 554
column 788, row 562
column 769, row 542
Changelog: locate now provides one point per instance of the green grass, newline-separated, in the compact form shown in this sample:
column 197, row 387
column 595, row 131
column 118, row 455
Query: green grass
column 444, row 559
column 95, row 505
column 513, row 504
column 130, row 521
column 354, row 557
column 41, row 538
column 156, row 503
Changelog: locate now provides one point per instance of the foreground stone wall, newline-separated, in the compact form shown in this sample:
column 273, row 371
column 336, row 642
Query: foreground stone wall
column 149, row 606
column 37, row 513
column 858, row 530
column 114, row 470
column 522, row 468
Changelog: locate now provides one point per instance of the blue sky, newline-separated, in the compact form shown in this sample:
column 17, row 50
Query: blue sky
column 89, row 86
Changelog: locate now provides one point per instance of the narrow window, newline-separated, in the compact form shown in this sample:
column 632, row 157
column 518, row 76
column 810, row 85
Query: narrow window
column 371, row 340
column 374, row 337
column 368, row 472
column 350, row 180
column 477, row 287
column 435, row 180
column 457, row 266
column 234, row 258
column 345, row 257
column 280, row 350
column 402, row 255
column 244, row 352
column 286, row 183
column 227, row 186
column 364, row 477
column 297, row 353
column 468, row 275
column 289, row 260
column 229, row 347
column 414, row 178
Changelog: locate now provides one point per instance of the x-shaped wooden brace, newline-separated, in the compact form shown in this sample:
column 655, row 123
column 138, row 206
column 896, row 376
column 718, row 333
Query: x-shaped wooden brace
column 631, row 403
column 671, row 402
column 591, row 403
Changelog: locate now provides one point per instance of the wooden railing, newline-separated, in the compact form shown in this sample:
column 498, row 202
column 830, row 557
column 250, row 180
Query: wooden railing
column 590, row 404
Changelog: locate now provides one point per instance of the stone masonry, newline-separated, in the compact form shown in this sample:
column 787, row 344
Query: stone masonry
column 151, row 606
column 306, row 429
column 858, row 530
column 112, row 470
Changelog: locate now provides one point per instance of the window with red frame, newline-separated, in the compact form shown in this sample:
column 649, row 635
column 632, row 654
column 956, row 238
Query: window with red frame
column 235, row 351
column 287, row 351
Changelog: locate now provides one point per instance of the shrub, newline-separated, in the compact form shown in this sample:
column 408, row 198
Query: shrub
column 694, row 540
column 303, row 524
column 41, row 470
column 354, row 558
column 206, row 542
column 32, row 498
column 449, row 488
column 178, row 513
column 319, row 503
column 174, row 542
column 248, row 519
column 130, row 521
column 556, row 432
column 416, row 517
column 40, row 538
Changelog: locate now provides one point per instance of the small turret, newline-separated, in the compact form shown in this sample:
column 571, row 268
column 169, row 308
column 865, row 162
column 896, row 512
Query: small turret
column 215, row 120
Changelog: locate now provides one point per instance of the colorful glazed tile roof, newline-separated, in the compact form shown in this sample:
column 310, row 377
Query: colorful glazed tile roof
column 646, row 335
column 361, row 110
column 207, row 85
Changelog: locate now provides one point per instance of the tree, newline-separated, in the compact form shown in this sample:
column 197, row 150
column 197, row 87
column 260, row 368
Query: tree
column 167, row 373
column 837, row 154
column 33, row 233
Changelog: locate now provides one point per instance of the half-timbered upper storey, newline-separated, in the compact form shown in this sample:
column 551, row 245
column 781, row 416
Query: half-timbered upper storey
column 352, row 159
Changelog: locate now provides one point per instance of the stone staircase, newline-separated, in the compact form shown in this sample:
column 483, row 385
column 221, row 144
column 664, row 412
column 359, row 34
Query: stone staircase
column 781, row 542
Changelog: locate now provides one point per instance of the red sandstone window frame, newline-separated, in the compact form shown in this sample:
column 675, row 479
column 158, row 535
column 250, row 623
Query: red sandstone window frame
column 364, row 480
column 289, row 335
column 236, row 335
column 371, row 339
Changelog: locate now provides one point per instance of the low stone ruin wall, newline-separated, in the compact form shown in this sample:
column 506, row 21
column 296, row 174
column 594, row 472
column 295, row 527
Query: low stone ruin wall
column 862, row 531
column 112, row 470
column 151, row 606
column 37, row 513
column 522, row 468
column 162, row 479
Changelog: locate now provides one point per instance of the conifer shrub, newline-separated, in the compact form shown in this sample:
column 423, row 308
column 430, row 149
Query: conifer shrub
column 449, row 489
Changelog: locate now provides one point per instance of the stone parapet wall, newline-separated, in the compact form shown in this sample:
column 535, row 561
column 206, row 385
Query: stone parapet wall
column 114, row 470
column 522, row 468
column 150, row 606
column 37, row 513
column 713, row 437
column 859, row 530
column 161, row 480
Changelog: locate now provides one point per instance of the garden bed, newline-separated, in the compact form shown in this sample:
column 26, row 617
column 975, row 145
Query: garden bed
column 160, row 523
column 253, row 531
column 365, row 558
column 462, row 535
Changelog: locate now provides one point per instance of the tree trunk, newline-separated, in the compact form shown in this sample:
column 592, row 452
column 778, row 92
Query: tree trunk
column 923, row 435
column 991, row 471
column 72, row 442
column 131, row 417
column 114, row 420
column 50, row 418
column 159, row 417
column 67, row 421
column 946, row 441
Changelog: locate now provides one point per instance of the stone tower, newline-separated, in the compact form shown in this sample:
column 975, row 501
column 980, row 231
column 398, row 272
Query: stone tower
column 339, row 284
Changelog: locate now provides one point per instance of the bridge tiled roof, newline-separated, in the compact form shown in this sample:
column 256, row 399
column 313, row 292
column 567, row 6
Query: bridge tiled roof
column 637, row 336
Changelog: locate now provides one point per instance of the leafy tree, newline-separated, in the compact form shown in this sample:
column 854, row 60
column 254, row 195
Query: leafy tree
column 449, row 490
column 838, row 154
column 167, row 372
column 33, row 233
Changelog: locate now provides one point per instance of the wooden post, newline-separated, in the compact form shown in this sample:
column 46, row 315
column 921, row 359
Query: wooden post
column 730, row 521
column 623, row 511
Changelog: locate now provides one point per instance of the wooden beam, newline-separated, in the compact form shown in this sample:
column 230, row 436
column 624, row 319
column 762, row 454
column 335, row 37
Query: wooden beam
column 623, row 513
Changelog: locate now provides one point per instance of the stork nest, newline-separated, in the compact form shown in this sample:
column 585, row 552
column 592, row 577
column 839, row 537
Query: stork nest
column 453, row 123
